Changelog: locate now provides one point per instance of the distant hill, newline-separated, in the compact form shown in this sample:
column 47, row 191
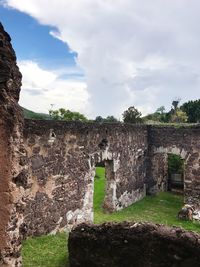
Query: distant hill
column 28, row 114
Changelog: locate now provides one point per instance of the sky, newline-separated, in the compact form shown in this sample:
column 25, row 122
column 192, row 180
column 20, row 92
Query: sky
column 100, row 57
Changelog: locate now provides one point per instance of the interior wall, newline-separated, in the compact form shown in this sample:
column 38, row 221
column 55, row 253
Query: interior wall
column 61, row 170
column 47, row 170
column 183, row 141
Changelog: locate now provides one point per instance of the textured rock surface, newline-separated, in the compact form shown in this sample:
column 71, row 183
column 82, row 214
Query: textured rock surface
column 183, row 141
column 11, row 147
column 47, row 168
column 62, row 158
column 133, row 245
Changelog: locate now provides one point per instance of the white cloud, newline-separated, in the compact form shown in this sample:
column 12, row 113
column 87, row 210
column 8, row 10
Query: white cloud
column 133, row 52
column 41, row 88
column 34, row 76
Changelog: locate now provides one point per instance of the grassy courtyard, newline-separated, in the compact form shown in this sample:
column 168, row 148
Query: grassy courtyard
column 51, row 251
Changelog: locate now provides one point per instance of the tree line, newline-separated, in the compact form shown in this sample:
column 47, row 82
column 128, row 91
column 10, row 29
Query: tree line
column 188, row 112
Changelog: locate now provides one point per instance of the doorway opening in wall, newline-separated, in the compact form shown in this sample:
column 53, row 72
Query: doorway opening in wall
column 103, row 188
column 175, row 173
column 99, row 187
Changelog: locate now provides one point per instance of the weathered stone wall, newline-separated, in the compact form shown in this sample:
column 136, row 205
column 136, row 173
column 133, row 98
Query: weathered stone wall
column 62, row 158
column 183, row 141
column 47, row 168
column 12, row 151
column 133, row 245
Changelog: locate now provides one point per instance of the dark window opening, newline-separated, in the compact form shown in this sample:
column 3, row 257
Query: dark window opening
column 103, row 144
column 53, row 135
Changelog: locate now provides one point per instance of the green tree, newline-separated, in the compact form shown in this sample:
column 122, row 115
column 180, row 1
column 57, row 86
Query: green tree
column 179, row 116
column 111, row 119
column 158, row 116
column 99, row 119
column 176, row 114
column 175, row 164
column 160, row 110
column 192, row 109
column 107, row 119
column 66, row 115
column 132, row 115
column 175, row 104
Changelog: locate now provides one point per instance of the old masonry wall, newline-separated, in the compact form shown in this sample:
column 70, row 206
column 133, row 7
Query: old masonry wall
column 61, row 159
column 183, row 141
column 133, row 245
column 60, row 177
column 47, row 168
column 11, row 156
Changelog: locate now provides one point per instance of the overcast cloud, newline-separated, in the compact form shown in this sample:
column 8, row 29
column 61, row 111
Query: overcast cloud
column 133, row 52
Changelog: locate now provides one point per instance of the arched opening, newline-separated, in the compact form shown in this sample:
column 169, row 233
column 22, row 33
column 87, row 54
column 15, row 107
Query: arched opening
column 104, row 191
column 175, row 173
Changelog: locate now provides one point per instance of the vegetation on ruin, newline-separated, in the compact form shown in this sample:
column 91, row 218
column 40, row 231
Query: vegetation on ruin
column 51, row 251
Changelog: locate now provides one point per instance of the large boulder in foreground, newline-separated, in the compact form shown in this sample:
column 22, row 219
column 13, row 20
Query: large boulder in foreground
column 133, row 244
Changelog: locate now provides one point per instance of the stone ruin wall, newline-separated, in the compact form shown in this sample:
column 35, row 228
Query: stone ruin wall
column 61, row 168
column 60, row 177
column 12, row 152
column 183, row 141
column 47, row 168
column 133, row 245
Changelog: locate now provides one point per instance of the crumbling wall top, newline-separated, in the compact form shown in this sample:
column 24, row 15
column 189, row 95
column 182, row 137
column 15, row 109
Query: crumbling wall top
column 10, row 76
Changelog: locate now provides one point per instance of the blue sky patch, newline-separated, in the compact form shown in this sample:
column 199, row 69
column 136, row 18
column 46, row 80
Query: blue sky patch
column 32, row 41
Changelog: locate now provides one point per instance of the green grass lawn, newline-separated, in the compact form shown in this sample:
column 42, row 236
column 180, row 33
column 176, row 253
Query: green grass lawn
column 51, row 251
column 46, row 251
